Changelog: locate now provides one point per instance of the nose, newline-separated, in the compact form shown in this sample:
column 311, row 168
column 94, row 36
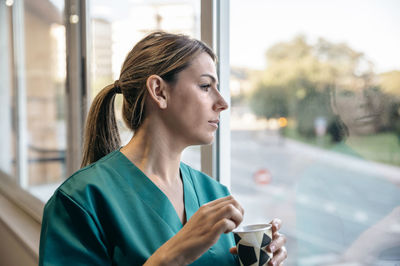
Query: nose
column 364, row 99
column 220, row 103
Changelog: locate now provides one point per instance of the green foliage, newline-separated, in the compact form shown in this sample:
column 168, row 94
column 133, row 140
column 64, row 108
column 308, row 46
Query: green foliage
column 300, row 76
column 390, row 82
column 269, row 101
column 290, row 51
column 394, row 118
column 313, row 105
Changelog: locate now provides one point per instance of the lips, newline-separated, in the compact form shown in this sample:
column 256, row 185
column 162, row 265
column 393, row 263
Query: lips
column 214, row 122
column 367, row 118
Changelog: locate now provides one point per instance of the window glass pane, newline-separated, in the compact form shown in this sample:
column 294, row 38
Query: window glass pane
column 44, row 88
column 118, row 27
column 315, row 125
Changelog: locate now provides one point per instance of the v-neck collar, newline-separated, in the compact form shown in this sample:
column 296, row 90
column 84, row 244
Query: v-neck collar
column 154, row 197
column 191, row 199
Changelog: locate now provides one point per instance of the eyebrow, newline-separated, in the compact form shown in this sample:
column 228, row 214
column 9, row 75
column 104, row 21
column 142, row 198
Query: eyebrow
column 211, row 77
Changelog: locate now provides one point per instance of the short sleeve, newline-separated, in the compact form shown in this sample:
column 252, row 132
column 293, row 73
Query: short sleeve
column 69, row 235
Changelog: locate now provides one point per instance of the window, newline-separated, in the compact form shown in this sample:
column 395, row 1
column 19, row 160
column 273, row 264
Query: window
column 315, row 108
column 33, row 86
column 45, row 62
column 315, row 124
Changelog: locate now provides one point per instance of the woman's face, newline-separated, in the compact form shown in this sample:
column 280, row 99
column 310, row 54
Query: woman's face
column 195, row 103
column 360, row 109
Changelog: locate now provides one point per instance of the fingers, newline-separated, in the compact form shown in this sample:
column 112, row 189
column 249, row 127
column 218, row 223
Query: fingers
column 225, row 225
column 218, row 201
column 231, row 212
column 226, row 207
column 278, row 257
column 276, row 225
column 237, row 205
column 278, row 242
column 233, row 250
column 277, row 246
column 228, row 214
column 223, row 201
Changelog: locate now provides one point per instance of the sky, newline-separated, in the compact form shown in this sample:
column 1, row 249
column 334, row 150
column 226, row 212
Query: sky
column 368, row 26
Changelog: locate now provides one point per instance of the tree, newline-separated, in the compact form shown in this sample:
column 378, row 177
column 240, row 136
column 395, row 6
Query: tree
column 269, row 101
column 299, row 78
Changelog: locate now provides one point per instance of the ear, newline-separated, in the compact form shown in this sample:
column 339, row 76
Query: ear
column 156, row 88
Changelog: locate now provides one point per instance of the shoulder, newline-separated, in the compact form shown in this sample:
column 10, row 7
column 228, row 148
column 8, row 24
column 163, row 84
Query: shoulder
column 205, row 186
column 89, row 183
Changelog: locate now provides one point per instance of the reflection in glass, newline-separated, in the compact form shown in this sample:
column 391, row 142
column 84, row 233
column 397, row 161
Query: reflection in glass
column 331, row 172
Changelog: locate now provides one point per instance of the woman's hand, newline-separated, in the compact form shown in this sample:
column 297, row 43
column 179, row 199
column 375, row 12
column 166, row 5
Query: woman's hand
column 201, row 232
column 276, row 246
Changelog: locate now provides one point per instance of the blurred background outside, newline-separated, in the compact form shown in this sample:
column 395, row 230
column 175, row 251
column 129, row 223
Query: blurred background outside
column 315, row 123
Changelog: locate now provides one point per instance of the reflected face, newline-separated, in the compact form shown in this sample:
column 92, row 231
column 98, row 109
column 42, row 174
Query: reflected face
column 195, row 102
column 359, row 109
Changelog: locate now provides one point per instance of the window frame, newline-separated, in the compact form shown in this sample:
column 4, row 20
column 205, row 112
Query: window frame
column 19, row 86
column 216, row 158
column 77, row 81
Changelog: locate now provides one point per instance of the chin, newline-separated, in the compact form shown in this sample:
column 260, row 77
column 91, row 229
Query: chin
column 365, row 130
column 206, row 140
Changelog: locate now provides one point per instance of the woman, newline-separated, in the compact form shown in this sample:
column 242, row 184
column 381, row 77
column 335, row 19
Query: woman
column 139, row 204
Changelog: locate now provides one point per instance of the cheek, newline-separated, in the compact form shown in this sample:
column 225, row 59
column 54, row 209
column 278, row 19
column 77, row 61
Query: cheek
column 378, row 105
column 189, row 115
column 345, row 109
column 344, row 104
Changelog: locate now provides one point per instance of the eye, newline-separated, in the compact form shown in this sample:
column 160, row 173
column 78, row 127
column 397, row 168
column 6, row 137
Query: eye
column 346, row 93
column 205, row 87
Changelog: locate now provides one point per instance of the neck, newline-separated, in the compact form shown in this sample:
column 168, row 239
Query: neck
column 353, row 142
column 154, row 152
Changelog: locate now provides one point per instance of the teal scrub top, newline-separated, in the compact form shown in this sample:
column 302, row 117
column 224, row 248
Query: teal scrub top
column 111, row 213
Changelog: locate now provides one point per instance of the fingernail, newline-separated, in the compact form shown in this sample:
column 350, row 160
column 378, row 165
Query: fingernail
column 272, row 248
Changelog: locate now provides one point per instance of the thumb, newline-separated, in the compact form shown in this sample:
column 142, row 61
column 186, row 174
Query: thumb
column 233, row 250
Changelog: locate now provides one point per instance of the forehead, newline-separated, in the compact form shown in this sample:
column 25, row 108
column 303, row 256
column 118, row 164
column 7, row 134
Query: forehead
column 202, row 66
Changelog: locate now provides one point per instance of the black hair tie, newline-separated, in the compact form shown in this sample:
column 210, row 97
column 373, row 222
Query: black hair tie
column 117, row 88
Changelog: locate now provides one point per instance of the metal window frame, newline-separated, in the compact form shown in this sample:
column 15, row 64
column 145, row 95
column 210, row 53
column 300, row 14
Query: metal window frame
column 5, row 92
column 77, row 83
column 19, row 86
column 215, row 158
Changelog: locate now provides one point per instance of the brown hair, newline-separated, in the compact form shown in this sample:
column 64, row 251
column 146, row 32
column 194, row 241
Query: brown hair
column 160, row 53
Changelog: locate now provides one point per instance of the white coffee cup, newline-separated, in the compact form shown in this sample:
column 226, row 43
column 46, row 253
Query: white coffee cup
column 251, row 242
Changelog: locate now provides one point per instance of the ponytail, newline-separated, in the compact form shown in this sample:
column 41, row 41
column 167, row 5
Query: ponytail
column 101, row 131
